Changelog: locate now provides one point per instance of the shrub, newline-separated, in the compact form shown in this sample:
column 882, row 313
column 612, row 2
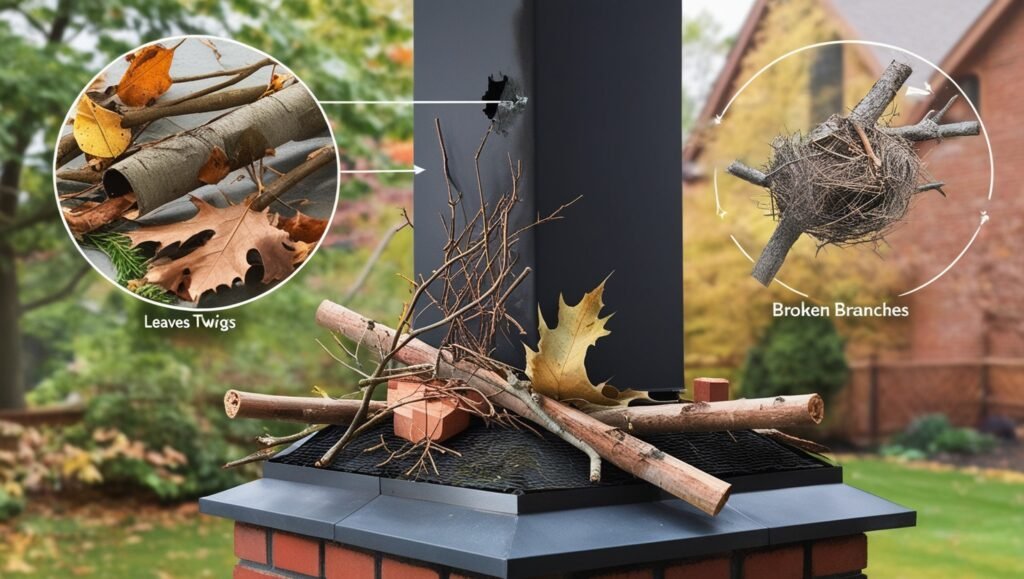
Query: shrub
column 796, row 356
column 154, row 400
column 932, row 434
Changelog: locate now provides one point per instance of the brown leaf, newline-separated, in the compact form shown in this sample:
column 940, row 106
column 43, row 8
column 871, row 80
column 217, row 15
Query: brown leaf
column 87, row 218
column 215, row 168
column 303, row 227
column 277, row 82
column 302, row 251
column 148, row 76
column 222, row 259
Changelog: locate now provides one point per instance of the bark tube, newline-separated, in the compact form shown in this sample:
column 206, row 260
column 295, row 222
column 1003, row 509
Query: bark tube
column 643, row 460
column 167, row 170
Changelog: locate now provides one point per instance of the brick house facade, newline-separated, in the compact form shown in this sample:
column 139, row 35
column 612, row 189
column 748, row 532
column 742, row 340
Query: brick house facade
column 976, row 310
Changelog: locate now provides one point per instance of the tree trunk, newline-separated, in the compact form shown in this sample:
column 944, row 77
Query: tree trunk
column 631, row 454
column 12, row 390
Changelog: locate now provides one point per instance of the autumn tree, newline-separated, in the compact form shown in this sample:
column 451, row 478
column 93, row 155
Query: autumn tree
column 725, row 309
column 343, row 49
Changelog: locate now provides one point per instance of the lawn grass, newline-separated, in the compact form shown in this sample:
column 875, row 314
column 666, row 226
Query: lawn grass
column 144, row 543
column 968, row 524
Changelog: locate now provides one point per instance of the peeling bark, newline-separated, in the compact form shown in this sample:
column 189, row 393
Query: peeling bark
column 167, row 170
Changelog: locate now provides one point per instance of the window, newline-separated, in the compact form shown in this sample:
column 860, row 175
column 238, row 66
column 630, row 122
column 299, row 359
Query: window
column 826, row 82
column 972, row 88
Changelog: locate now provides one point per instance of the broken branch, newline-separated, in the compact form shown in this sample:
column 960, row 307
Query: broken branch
column 744, row 414
column 639, row 458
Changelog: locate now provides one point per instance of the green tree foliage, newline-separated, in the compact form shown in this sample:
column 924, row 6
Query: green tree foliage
column 796, row 356
column 343, row 50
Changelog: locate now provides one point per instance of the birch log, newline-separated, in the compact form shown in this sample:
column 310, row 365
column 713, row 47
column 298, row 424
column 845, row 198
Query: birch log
column 169, row 169
column 745, row 414
column 304, row 409
column 630, row 454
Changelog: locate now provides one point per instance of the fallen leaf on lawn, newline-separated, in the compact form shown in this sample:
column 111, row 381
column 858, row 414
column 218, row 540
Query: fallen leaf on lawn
column 98, row 131
column 18, row 544
column 87, row 218
column 223, row 258
column 558, row 368
column 148, row 76
column 303, row 227
column 215, row 168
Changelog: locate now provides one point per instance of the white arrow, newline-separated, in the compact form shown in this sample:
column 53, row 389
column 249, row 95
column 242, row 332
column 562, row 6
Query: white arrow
column 415, row 102
column 914, row 91
column 416, row 170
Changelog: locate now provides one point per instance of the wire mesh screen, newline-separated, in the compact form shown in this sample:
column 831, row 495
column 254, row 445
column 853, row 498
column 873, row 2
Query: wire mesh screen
column 519, row 461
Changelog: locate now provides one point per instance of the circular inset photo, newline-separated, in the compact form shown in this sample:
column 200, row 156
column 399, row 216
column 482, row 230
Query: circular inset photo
column 196, row 172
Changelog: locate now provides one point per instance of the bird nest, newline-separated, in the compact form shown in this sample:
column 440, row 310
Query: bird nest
column 849, row 186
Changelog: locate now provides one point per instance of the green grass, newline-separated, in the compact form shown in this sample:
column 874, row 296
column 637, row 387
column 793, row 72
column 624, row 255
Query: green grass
column 968, row 524
column 150, row 543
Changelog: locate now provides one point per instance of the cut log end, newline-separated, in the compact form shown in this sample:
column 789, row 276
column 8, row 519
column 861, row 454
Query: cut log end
column 816, row 408
column 721, row 501
column 232, row 402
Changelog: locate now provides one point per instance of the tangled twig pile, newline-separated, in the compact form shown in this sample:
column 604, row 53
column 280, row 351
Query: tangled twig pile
column 850, row 186
column 850, row 180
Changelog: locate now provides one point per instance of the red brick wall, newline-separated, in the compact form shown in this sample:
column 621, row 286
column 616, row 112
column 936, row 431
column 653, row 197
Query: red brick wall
column 268, row 553
column 984, row 292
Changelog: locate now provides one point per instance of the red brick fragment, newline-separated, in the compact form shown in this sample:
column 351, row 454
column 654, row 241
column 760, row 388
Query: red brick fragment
column 710, row 389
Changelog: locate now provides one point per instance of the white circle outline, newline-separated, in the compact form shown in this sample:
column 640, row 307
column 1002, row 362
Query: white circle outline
column 981, row 123
column 330, row 220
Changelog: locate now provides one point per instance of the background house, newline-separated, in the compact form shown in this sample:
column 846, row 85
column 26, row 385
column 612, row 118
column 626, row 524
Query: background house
column 957, row 351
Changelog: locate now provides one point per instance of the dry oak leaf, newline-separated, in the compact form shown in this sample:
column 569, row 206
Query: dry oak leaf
column 98, row 131
column 303, row 227
column 558, row 368
column 223, row 258
column 215, row 168
column 148, row 76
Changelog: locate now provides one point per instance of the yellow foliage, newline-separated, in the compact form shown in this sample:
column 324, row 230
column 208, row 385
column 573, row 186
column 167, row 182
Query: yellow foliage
column 98, row 131
column 558, row 368
column 79, row 465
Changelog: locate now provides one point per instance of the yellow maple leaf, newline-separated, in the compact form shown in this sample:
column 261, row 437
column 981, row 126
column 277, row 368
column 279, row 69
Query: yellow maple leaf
column 558, row 368
column 98, row 131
